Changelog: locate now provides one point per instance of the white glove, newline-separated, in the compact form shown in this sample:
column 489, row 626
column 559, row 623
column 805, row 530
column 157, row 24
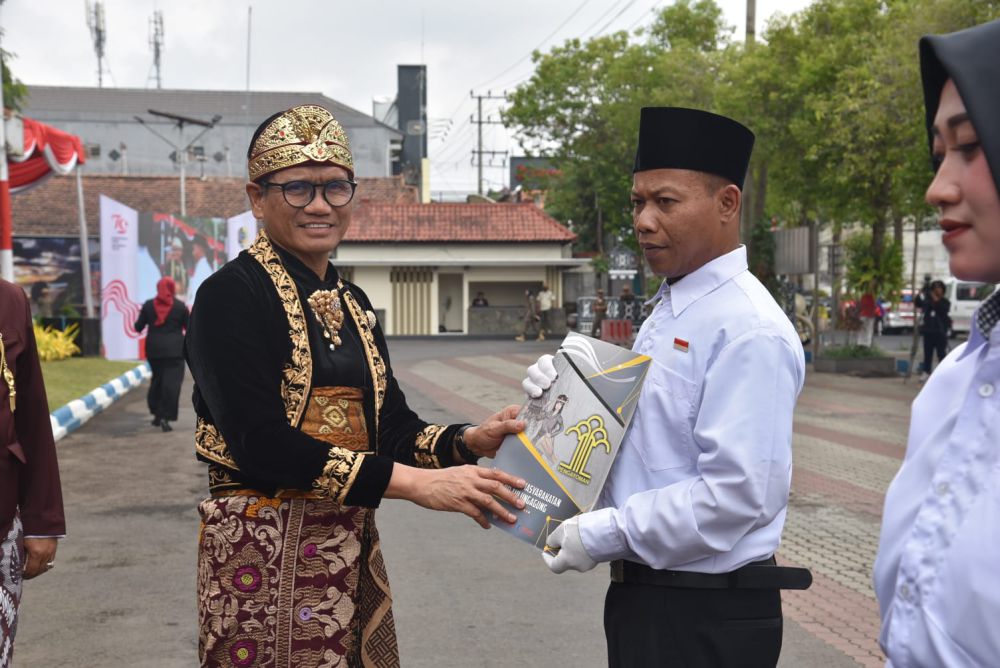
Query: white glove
column 572, row 554
column 540, row 377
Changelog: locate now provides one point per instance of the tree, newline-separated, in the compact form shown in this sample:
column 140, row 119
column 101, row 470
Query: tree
column 580, row 109
column 14, row 92
column 832, row 93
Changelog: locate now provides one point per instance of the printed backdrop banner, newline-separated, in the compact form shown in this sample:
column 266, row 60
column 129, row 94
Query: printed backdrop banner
column 138, row 249
column 240, row 233
column 119, row 306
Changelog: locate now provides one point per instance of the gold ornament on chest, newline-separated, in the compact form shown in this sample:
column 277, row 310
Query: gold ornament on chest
column 329, row 314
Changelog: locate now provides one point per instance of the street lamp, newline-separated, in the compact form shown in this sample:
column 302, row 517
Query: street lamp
column 181, row 149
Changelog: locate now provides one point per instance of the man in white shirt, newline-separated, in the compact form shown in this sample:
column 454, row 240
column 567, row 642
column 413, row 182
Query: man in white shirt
column 693, row 509
column 202, row 269
column 936, row 568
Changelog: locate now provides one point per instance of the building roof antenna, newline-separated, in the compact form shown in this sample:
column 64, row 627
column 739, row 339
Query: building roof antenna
column 98, row 33
column 156, row 44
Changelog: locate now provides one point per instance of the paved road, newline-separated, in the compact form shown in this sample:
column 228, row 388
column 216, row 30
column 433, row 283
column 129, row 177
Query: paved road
column 122, row 593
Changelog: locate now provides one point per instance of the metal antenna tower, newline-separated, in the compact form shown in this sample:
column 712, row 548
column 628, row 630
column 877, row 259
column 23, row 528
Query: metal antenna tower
column 98, row 33
column 156, row 43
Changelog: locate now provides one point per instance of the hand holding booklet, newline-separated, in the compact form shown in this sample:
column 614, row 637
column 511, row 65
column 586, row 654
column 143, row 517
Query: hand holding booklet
column 572, row 436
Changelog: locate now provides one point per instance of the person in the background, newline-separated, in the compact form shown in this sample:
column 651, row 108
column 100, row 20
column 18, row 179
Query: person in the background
column 600, row 309
column 174, row 267
column 202, row 267
column 545, row 299
column 41, row 299
column 866, row 311
column 31, row 507
column 480, row 300
column 530, row 318
column 935, row 324
column 167, row 318
column 936, row 568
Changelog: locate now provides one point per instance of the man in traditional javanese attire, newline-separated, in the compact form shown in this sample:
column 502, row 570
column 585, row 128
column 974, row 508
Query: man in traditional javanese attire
column 305, row 428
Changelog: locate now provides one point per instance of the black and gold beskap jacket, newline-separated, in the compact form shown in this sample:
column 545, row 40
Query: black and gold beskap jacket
column 277, row 408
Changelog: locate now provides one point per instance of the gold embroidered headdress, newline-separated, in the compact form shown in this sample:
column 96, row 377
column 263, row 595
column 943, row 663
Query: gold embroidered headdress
column 307, row 133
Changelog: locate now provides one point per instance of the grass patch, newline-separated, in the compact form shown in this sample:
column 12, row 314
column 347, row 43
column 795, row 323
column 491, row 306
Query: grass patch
column 72, row 378
column 853, row 352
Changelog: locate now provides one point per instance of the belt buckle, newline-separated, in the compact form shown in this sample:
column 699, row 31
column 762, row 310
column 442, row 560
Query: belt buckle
column 618, row 570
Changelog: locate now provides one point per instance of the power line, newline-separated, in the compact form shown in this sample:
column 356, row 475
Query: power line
column 547, row 38
column 565, row 21
column 615, row 17
column 599, row 19
column 652, row 10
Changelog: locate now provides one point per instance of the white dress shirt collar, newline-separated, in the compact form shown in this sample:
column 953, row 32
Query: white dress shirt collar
column 704, row 279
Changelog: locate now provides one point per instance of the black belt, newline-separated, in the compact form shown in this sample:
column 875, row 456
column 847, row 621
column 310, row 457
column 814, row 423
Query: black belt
column 758, row 575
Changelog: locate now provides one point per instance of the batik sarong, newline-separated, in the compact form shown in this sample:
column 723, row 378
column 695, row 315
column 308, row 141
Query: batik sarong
column 11, row 565
column 292, row 582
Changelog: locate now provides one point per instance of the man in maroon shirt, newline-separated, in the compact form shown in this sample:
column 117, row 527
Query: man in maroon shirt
column 31, row 508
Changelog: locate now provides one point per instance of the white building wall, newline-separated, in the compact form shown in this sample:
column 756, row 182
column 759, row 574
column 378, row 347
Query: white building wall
column 504, row 284
column 375, row 282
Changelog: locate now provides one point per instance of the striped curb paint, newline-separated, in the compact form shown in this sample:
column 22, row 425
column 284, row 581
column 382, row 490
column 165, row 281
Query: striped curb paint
column 68, row 418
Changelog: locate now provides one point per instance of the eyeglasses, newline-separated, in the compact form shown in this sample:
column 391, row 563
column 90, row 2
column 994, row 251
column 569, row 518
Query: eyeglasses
column 300, row 194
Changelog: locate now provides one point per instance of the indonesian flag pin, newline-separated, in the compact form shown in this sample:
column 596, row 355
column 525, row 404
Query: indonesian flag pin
column 681, row 345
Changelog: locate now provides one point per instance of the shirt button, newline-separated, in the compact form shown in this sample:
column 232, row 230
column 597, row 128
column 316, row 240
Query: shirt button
column 986, row 390
column 942, row 488
column 904, row 592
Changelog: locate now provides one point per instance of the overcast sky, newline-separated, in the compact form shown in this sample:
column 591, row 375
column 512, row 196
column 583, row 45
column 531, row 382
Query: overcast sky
column 345, row 50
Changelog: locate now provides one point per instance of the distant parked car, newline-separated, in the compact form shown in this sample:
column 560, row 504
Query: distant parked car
column 898, row 318
column 965, row 299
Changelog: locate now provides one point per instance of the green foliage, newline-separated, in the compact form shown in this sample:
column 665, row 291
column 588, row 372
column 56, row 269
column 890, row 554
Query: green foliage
column 874, row 275
column 853, row 352
column 761, row 258
column 600, row 264
column 580, row 111
column 832, row 92
column 690, row 24
column 14, row 91
column 54, row 344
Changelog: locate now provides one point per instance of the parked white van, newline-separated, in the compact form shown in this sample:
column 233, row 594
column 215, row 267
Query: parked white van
column 965, row 298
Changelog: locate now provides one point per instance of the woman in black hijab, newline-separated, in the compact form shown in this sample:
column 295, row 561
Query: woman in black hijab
column 936, row 569
column 167, row 318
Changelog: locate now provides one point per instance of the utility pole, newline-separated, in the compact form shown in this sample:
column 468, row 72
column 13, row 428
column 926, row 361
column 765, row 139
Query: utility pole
column 180, row 149
column 750, row 190
column 479, row 152
column 600, row 238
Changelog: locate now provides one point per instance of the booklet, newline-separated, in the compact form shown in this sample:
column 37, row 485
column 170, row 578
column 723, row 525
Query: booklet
column 572, row 435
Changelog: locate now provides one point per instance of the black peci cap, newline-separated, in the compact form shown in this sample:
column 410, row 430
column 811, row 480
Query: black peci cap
column 678, row 138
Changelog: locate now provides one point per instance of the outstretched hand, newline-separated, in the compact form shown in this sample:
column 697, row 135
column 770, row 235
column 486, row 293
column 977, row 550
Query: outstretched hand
column 471, row 490
column 485, row 439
